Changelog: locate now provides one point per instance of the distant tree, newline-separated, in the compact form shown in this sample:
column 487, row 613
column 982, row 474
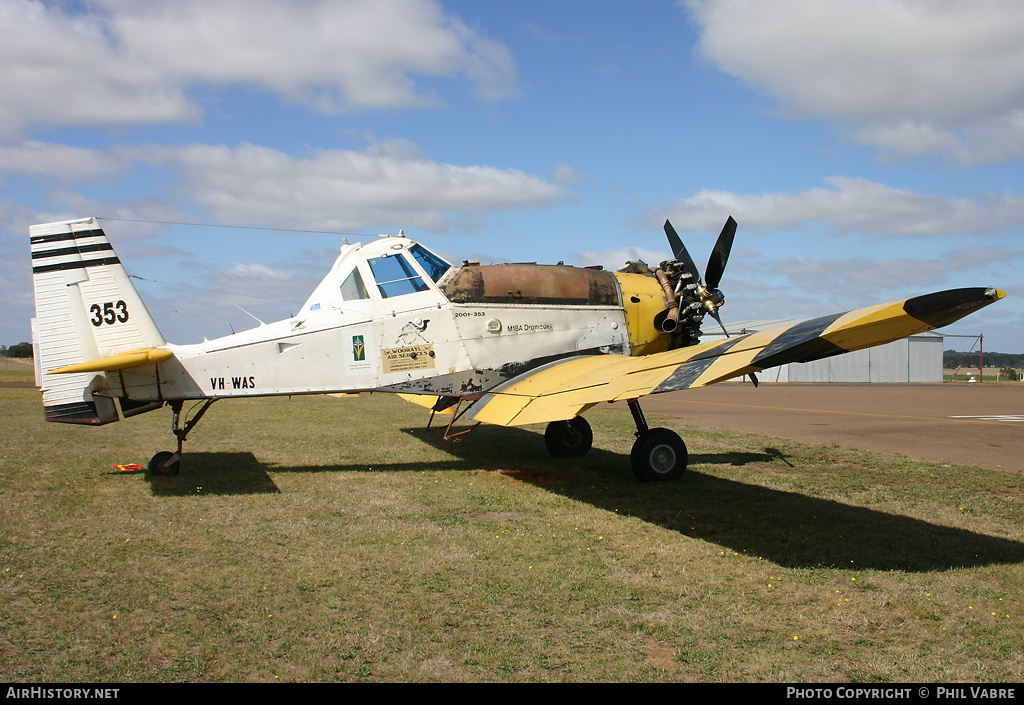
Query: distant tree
column 19, row 350
column 952, row 359
column 1009, row 373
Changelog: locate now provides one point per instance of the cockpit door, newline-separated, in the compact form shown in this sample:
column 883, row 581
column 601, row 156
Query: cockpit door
column 419, row 339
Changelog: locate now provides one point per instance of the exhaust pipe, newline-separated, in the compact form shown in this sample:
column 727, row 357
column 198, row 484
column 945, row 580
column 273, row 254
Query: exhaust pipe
column 671, row 314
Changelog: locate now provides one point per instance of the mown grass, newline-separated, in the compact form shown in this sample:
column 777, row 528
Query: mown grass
column 324, row 539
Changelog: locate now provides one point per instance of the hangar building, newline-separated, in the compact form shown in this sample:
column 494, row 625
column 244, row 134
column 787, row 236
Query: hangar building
column 914, row 359
column 917, row 358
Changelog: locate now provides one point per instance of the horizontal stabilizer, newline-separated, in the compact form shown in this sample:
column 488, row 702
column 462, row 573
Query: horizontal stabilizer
column 120, row 361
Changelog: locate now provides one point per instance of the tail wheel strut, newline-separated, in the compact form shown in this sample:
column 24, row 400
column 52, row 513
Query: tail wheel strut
column 165, row 462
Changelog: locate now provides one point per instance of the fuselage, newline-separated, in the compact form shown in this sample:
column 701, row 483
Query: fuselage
column 393, row 316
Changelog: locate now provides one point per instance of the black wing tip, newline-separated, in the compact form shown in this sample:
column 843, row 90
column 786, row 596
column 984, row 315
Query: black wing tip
column 945, row 307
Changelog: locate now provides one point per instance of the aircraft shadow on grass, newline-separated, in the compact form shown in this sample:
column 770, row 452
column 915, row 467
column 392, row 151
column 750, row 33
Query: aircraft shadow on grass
column 787, row 528
column 216, row 474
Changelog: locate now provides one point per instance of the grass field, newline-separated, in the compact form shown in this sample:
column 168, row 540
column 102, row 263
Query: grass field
column 324, row 539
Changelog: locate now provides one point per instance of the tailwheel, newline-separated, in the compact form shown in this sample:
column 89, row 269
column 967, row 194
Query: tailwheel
column 159, row 465
column 569, row 439
column 168, row 463
column 658, row 454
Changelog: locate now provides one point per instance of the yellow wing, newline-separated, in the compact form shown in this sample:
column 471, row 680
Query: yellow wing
column 564, row 389
column 437, row 404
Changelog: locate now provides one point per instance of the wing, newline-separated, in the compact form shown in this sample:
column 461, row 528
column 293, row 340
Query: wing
column 568, row 387
column 437, row 404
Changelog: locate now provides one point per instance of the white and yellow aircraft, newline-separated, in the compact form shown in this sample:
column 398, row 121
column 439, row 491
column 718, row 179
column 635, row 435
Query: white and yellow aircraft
column 507, row 344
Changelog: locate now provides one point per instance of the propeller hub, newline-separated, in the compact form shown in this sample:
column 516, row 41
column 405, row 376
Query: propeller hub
column 712, row 299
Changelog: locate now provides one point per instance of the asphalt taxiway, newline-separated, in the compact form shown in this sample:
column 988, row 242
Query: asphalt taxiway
column 958, row 424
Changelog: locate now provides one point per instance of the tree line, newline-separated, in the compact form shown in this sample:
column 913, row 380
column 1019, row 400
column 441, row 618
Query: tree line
column 19, row 350
column 952, row 359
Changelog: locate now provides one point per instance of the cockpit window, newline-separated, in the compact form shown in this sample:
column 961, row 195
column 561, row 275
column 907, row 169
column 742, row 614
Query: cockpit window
column 434, row 266
column 395, row 276
column 353, row 288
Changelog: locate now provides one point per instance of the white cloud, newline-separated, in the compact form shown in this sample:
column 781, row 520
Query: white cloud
column 61, row 69
column 57, row 160
column 847, row 205
column 615, row 259
column 804, row 287
column 125, row 62
column 878, row 277
column 991, row 140
column 911, row 76
column 565, row 174
column 345, row 190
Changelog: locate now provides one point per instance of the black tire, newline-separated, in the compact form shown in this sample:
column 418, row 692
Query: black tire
column 659, row 455
column 569, row 439
column 158, row 459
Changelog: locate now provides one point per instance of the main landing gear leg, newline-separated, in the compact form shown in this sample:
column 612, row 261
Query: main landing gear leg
column 165, row 462
column 658, row 453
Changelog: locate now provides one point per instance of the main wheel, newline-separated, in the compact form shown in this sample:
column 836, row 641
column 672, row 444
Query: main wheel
column 158, row 460
column 569, row 439
column 659, row 454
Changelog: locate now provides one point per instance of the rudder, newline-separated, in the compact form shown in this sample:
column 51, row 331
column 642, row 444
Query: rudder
column 86, row 308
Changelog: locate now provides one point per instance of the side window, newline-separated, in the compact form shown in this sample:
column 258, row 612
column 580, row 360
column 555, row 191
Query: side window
column 395, row 276
column 434, row 266
column 353, row 288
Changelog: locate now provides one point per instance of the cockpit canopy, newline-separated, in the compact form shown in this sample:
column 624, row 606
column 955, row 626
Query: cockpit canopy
column 392, row 267
column 396, row 276
column 384, row 269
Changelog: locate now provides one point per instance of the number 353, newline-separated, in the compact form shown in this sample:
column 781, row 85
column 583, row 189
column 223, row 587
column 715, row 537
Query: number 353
column 110, row 313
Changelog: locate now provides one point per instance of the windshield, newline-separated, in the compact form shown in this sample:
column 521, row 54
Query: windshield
column 434, row 266
column 395, row 276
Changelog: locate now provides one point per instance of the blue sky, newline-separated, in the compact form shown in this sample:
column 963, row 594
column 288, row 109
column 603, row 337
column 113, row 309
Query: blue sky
column 869, row 150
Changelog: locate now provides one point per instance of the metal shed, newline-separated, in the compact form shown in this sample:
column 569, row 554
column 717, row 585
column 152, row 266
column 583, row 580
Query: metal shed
column 917, row 358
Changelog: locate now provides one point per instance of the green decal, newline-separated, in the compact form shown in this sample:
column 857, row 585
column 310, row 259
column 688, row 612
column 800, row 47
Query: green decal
column 358, row 349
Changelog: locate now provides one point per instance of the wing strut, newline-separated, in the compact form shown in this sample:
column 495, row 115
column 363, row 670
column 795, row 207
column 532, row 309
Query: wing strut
column 456, row 415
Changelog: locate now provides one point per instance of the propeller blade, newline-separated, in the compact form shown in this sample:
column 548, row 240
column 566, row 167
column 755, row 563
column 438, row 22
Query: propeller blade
column 674, row 240
column 714, row 314
column 680, row 253
column 720, row 255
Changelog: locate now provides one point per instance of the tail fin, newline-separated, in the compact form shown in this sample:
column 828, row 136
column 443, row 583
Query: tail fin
column 86, row 308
